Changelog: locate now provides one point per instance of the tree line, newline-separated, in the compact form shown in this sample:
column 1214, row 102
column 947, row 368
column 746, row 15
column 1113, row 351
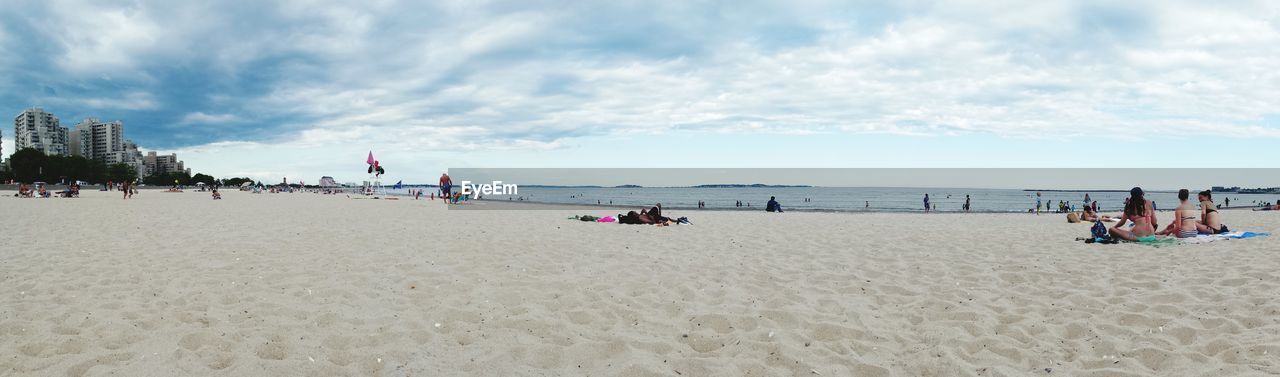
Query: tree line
column 30, row 165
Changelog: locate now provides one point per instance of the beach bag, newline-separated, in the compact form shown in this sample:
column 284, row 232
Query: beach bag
column 1099, row 231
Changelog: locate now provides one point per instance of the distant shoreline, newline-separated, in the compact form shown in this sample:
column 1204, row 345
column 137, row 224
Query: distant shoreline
column 539, row 205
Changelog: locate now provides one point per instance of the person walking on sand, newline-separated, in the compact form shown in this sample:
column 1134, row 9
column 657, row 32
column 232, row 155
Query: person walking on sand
column 1037, row 204
column 125, row 188
column 446, row 185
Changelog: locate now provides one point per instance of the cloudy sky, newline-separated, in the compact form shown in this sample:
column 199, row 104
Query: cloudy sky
column 306, row 88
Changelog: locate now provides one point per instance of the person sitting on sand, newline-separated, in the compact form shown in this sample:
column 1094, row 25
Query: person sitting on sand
column 655, row 214
column 216, row 195
column 24, row 191
column 1210, row 219
column 1185, row 218
column 1138, row 210
column 1089, row 215
column 773, row 205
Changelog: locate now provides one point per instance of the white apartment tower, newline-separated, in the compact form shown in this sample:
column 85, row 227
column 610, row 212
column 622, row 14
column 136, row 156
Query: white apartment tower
column 98, row 140
column 163, row 163
column 105, row 141
column 37, row 129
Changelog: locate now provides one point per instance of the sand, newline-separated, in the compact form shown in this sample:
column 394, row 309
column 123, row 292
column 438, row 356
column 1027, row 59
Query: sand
column 308, row 285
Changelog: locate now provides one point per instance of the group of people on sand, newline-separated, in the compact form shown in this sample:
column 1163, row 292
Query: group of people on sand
column 1188, row 221
column 25, row 191
column 651, row 216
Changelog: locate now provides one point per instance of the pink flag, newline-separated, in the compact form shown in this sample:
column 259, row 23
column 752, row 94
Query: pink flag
column 370, row 160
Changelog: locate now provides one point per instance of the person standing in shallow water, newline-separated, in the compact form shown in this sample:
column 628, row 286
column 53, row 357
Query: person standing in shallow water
column 966, row 203
column 926, row 203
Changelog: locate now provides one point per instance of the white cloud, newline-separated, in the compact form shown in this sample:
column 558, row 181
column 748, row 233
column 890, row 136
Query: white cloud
column 130, row 101
column 480, row 76
column 202, row 118
column 102, row 39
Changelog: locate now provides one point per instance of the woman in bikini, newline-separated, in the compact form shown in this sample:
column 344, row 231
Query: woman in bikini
column 1138, row 210
column 1186, row 217
column 1210, row 219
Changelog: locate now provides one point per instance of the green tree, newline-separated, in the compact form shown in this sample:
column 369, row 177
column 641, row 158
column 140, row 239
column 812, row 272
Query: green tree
column 207, row 179
column 235, row 182
column 167, row 179
column 121, row 172
column 27, row 165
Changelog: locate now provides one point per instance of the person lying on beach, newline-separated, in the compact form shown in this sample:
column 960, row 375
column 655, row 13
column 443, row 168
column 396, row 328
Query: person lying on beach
column 637, row 218
column 1210, row 219
column 1090, row 214
column 651, row 216
column 1266, row 207
column 1186, row 219
column 1137, row 210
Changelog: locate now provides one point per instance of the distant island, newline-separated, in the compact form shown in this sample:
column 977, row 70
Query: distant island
column 1061, row 190
column 754, row 185
column 1240, row 190
column 628, row 186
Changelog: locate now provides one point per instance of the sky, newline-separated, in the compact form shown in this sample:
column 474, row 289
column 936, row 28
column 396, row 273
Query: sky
column 302, row 89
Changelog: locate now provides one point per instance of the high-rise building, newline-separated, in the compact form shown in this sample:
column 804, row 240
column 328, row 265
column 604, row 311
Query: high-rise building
column 163, row 163
column 132, row 156
column 97, row 140
column 105, row 141
column 37, row 129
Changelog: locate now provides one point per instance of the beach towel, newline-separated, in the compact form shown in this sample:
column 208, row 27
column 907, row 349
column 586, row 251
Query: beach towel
column 1206, row 238
column 1173, row 241
column 606, row 219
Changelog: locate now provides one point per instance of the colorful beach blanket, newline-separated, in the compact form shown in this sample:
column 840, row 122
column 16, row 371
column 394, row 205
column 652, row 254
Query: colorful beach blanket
column 1206, row 238
column 1172, row 241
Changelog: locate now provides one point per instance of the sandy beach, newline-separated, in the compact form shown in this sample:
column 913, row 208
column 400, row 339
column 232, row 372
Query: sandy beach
column 171, row 284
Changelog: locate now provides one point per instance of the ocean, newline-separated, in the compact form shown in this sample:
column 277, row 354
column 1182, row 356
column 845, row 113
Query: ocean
column 845, row 199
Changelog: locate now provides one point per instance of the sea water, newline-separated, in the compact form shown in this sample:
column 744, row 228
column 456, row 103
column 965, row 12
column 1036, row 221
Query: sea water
column 854, row 199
